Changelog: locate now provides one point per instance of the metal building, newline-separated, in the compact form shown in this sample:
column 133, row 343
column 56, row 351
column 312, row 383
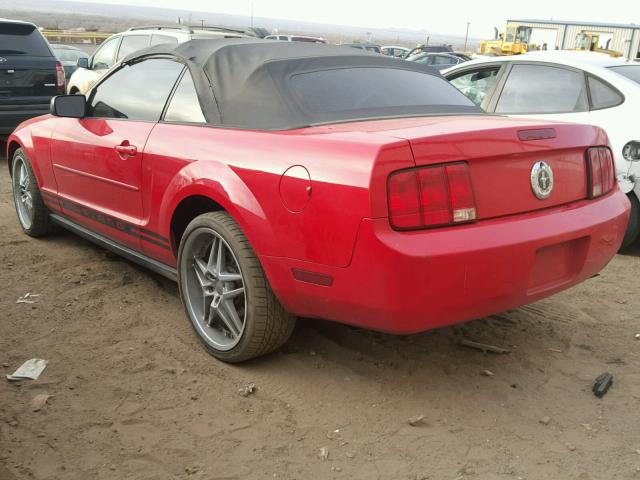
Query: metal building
column 623, row 38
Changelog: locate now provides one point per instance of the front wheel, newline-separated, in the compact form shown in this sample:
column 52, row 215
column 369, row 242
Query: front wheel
column 225, row 292
column 32, row 213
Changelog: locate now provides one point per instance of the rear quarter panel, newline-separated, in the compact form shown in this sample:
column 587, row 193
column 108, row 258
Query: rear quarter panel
column 242, row 171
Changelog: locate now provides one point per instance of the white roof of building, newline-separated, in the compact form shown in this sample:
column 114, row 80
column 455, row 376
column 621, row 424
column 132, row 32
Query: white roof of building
column 582, row 24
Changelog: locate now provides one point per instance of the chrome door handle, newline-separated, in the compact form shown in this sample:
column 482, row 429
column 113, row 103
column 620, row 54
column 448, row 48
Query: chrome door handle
column 127, row 150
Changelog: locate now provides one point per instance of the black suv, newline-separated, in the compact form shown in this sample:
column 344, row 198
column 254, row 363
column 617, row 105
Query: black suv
column 30, row 74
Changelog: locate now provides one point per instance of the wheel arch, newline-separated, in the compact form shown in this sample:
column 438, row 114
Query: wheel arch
column 185, row 211
column 12, row 146
column 183, row 203
column 196, row 199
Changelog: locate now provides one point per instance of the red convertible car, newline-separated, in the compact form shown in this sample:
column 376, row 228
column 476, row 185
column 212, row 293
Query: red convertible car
column 275, row 180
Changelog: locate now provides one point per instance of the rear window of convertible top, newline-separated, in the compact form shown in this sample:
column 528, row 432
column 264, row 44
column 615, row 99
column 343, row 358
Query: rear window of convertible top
column 372, row 88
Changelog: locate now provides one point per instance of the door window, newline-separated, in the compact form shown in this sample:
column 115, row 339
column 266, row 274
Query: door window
column 132, row 43
column 135, row 92
column 602, row 95
column 184, row 105
column 477, row 84
column 443, row 60
column 543, row 89
column 632, row 72
column 161, row 39
column 422, row 59
column 103, row 58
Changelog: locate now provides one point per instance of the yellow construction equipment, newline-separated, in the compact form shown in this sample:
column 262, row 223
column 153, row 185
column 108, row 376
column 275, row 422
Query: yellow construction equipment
column 515, row 40
column 588, row 41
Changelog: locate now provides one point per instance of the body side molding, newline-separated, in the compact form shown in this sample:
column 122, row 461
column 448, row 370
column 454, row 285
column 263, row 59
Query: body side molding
column 126, row 252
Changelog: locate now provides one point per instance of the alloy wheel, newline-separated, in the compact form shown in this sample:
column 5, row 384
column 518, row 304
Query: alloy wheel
column 22, row 193
column 214, row 289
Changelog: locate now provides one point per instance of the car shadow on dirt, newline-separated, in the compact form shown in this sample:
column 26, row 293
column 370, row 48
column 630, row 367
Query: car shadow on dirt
column 524, row 329
column 631, row 251
column 344, row 344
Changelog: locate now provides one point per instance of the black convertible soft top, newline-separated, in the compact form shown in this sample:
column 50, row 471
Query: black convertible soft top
column 273, row 85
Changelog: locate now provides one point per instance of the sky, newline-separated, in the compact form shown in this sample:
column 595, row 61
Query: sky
column 437, row 17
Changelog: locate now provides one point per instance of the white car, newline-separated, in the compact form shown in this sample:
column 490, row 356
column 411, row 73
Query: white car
column 395, row 51
column 296, row 38
column 118, row 46
column 580, row 87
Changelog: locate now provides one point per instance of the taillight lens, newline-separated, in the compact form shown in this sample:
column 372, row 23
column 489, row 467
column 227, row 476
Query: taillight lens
column 404, row 199
column 60, row 80
column 602, row 177
column 431, row 196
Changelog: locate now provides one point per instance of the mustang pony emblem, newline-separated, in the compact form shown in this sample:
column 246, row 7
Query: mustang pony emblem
column 541, row 180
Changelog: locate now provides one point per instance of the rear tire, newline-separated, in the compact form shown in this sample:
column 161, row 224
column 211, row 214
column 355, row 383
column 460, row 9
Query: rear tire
column 225, row 291
column 32, row 213
column 633, row 228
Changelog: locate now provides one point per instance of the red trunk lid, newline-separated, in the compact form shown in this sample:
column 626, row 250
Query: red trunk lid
column 501, row 153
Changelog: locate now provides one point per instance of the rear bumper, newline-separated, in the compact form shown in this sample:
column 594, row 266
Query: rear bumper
column 10, row 118
column 406, row 282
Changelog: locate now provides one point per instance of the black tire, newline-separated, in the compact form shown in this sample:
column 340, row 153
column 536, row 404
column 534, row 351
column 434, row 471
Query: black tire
column 267, row 324
column 36, row 222
column 633, row 228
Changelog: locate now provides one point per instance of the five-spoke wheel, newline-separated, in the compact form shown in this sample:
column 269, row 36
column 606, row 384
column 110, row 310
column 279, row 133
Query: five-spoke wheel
column 225, row 291
column 22, row 193
column 32, row 213
column 215, row 289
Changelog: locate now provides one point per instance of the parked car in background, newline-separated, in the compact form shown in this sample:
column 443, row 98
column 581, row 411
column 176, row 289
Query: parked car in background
column 295, row 38
column 369, row 47
column 430, row 49
column 118, row 46
column 583, row 87
column 439, row 61
column 397, row 52
column 461, row 55
column 68, row 56
column 30, row 74
column 234, row 182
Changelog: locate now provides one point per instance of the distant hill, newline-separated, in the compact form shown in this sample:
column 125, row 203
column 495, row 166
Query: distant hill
column 113, row 18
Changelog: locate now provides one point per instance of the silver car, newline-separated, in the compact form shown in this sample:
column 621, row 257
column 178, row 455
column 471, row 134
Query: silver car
column 118, row 46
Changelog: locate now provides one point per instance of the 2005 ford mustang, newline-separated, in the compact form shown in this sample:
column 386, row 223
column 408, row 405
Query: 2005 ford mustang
column 275, row 180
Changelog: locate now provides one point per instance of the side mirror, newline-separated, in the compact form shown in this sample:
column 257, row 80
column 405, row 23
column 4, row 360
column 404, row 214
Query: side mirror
column 83, row 62
column 631, row 151
column 69, row 106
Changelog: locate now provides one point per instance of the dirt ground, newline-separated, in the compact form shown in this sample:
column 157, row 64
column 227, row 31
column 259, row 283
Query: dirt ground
column 136, row 397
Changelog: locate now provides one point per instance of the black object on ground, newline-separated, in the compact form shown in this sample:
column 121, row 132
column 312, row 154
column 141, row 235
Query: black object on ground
column 602, row 384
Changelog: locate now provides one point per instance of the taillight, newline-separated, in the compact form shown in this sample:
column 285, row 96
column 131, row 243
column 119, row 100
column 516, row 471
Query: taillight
column 431, row 196
column 60, row 80
column 602, row 177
